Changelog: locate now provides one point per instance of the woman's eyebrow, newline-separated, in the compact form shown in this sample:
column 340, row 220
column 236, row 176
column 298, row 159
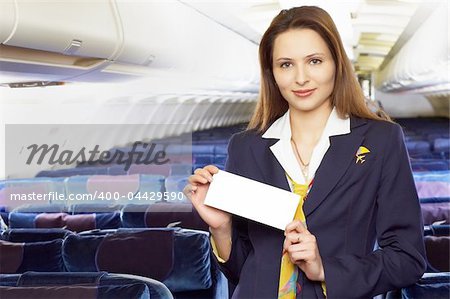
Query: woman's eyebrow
column 315, row 54
column 306, row 57
column 283, row 58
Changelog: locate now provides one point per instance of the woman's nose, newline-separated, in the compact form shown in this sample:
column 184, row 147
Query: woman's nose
column 301, row 77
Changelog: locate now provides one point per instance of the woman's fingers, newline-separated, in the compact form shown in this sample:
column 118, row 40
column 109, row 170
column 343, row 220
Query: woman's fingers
column 306, row 250
column 189, row 189
column 287, row 242
column 303, row 250
column 305, row 244
column 295, row 238
column 295, row 225
column 205, row 173
column 302, row 256
column 197, row 179
column 294, row 233
column 212, row 169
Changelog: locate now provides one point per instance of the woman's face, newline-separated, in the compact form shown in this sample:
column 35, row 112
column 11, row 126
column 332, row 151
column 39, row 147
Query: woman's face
column 304, row 69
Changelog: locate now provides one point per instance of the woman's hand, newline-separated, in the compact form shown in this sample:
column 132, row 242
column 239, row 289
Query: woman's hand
column 196, row 189
column 219, row 221
column 303, row 251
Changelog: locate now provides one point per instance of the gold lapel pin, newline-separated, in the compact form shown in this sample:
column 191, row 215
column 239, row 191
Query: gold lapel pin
column 361, row 154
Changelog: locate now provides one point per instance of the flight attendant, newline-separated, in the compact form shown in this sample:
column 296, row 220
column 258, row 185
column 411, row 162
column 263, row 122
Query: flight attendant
column 313, row 134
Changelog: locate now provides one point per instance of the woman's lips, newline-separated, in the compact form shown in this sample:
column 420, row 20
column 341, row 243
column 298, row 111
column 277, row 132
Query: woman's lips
column 303, row 92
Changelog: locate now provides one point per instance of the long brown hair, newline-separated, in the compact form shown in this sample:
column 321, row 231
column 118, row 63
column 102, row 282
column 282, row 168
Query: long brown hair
column 347, row 96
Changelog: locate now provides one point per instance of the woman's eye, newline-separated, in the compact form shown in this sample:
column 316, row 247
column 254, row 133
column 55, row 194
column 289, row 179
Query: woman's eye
column 315, row 61
column 285, row 65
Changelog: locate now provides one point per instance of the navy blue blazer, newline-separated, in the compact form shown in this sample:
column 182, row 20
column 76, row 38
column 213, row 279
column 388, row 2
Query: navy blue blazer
column 350, row 207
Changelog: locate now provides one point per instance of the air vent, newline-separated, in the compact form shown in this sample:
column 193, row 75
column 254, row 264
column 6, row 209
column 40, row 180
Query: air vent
column 34, row 84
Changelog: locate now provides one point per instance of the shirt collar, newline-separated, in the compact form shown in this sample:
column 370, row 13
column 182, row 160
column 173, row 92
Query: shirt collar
column 282, row 149
column 281, row 128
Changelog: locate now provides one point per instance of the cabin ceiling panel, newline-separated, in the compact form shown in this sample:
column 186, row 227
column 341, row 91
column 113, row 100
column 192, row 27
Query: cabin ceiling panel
column 423, row 62
column 213, row 44
column 366, row 27
column 379, row 24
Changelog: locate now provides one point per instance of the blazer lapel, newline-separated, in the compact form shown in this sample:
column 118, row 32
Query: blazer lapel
column 334, row 164
column 272, row 172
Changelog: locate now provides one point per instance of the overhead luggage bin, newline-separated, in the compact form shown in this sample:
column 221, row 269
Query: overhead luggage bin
column 87, row 29
column 109, row 40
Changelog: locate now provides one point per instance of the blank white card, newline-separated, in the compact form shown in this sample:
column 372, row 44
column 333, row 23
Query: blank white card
column 251, row 199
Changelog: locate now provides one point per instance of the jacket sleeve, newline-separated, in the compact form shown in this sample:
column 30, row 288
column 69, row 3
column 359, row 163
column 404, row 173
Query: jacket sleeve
column 400, row 259
column 241, row 245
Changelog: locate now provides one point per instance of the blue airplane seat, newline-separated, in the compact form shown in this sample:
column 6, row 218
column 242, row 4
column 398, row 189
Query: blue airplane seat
column 76, row 223
column 175, row 185
column 19, row 235
column 431, row 285
column 441, row 145
column 100, row 207
column 182, row 260
column 221, row 149
column 180, row 169
column 42, row 208
column 437, row 230
column 438, row 253
column 88, row 170
column 16, row 192
column 432, row 183
column 117, row 170
column 45, row 256
column 418, row 147
column 105, row 285
column 432, row 165
column 203, row 159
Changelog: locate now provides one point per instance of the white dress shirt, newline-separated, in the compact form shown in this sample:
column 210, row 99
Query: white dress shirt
column 282, row 149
